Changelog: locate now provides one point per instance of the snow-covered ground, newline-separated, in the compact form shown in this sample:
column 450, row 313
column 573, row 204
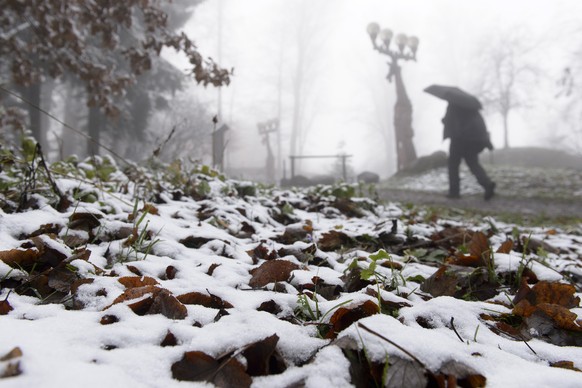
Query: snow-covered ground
column 277, row 288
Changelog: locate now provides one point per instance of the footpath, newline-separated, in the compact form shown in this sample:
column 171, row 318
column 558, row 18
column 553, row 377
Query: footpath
column 535, row 208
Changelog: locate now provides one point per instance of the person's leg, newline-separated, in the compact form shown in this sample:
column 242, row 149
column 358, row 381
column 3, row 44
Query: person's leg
column 453, row 163
column 472, row 161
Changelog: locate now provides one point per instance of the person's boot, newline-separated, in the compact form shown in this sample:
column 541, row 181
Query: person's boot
column 453, row 195
column 490, row 191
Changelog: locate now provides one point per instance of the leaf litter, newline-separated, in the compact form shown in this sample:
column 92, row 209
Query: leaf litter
column 266, row 287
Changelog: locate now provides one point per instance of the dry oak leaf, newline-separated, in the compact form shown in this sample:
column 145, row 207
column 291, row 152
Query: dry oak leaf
column 343, row 317
column 548, row 292
column 199, row 366
column 211, row 301
column 137, row 281
column 5, row 307
column 263, row 358
column 152, row 300
column 334, row 240
column 506, row 247
column 271, row 271
column 20, row 258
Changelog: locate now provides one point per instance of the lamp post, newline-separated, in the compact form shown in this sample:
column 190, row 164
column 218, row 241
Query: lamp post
column 405, row 49
column 265, row 128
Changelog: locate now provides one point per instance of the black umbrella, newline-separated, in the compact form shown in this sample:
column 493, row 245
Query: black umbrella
column 454, row 96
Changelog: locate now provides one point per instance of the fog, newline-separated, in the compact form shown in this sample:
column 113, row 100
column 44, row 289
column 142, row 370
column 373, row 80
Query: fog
column 348, row 103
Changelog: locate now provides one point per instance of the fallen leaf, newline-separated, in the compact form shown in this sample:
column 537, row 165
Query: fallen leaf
column 166, row 304
column 348, row 208
column 152, row 300
column 442, row 282
column 211, row 269
column 137, row 281
column 84, row 221
column 199, row 366
column 565, row 365
column 48, row 253
column 270, row 306
column 343, row 317
column 261, row 252
column 211, row 301
column 194, row 242
column 20, row 258
column 11, row 370
column 405, row 373
column 334, row 240
column 108, row 319
column 14, row 353
column 271, row 271
column 294, row 233
column 479, row 247
column 263, row 358
column 169, row 340
column 171, row 272
column 553, row 293
column 5, row 307
column 506, row 247
column 134, row 270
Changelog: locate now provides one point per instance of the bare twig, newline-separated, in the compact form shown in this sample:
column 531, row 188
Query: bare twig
column 455, row 329
column 393, row 344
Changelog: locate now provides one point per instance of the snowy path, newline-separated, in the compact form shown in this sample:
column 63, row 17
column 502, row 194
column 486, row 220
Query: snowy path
column 530, row 207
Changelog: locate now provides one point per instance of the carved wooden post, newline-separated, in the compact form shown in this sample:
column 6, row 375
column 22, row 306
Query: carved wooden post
column 405, row 151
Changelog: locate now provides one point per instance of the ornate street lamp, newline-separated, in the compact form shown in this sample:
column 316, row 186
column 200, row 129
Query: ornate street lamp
column 265, row 128
column 405, row 49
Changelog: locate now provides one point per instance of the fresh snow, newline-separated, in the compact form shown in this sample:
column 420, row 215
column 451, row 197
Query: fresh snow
column 63, row 347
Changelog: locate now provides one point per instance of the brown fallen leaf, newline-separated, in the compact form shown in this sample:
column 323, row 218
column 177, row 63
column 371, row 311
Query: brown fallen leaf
column 261, row 252
column 5, row 307
column 565, row 365
column 199, row 366
column 171, row 272
column 506, row 247
column 194, row 242
column 553, row 293
column 334, row 240
column 270, row 307
column 169, row 340
column 137, row 281
column 152, row 300
column 479, row 247
column 263, row 358
column 442, row 283
column 20, row 258
column 12, row 369
column 108, row 319
column 211, row 301
column 14, row 353
column 166, row 304
column 343, row 317
column 271, row 271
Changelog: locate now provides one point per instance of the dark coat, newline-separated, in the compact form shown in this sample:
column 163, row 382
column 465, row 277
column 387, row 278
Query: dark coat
column 466, row 129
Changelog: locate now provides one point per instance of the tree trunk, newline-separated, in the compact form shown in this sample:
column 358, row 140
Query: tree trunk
column 405, row 152
column 505, row 129
column 32, row 93
column 94, row 126
column 75, row 110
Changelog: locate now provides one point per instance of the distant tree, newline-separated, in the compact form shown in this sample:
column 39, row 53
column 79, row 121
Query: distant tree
column 182, row 130
column 506, row 75
column 309, row 40
column 104, row 44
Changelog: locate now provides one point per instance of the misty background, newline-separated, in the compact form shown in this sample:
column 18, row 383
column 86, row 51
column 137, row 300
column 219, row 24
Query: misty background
column 310, row 65
column 322, row 47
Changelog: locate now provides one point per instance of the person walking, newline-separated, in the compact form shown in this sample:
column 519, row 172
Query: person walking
column 468, row 133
